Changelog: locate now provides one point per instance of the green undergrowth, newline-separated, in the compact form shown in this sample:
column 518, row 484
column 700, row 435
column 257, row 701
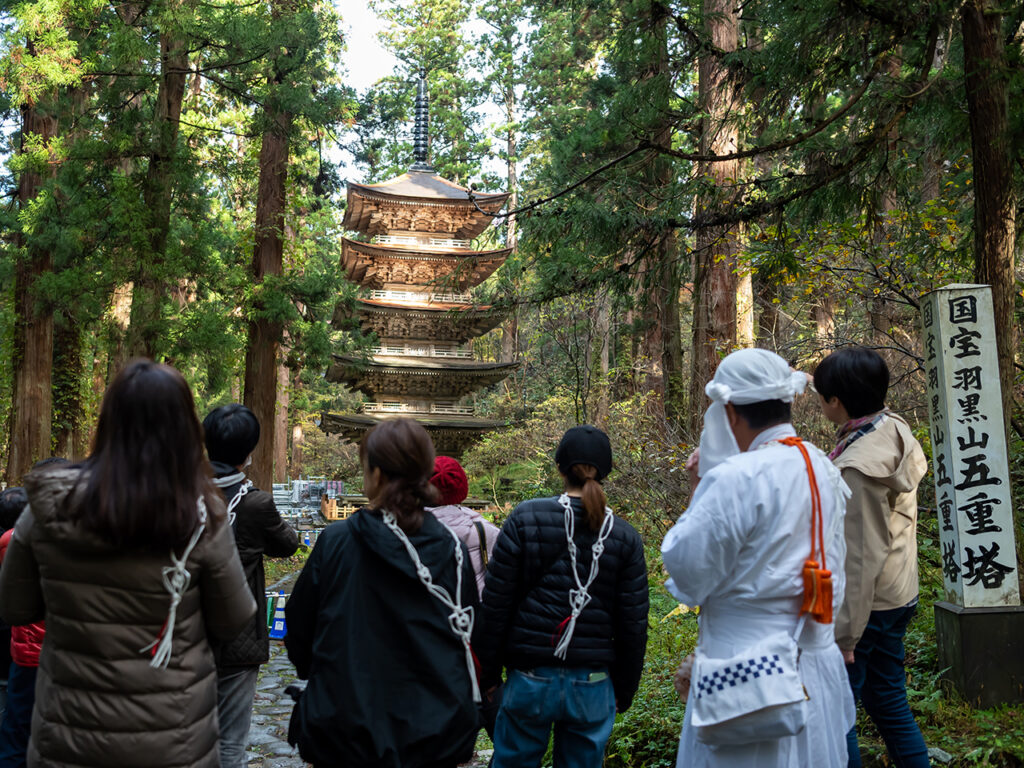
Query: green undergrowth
column 647, row 734
column 276, row 568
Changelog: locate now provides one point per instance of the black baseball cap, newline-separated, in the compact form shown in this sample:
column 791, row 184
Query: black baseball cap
column 585, row 445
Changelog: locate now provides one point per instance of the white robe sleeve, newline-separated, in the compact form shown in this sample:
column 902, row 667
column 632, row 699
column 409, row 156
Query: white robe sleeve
column 702, row 548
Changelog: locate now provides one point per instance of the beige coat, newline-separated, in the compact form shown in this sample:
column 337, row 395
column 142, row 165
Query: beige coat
column 883, row 469
column 98, row 702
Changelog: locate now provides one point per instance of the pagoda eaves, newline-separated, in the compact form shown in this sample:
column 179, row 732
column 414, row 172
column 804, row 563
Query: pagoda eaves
column 427, row 322
column 375, row 265
column 426, row 377
column 420, row 201
column 451, row 435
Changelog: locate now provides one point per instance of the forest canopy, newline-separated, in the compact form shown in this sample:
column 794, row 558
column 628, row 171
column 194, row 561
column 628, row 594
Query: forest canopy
column 685, row 179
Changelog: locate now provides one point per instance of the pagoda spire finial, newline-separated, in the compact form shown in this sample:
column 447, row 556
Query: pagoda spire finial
column 421, row 131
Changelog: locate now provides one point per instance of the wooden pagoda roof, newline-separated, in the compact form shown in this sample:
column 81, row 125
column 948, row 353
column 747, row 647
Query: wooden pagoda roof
column 373, row 265
column 416, row 376
column 431, row 203
column 451, row 434
column 428, row 322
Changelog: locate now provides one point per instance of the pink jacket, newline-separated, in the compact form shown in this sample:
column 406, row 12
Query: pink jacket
column 462, row 520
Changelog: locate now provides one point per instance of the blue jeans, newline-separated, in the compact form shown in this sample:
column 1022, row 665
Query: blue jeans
column 580, row 708
column 879, row 682
column 236, row 689
column 17, row 724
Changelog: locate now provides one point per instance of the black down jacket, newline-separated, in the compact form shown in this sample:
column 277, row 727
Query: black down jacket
column 389, row 686
column 259, row 530
column 526, row 598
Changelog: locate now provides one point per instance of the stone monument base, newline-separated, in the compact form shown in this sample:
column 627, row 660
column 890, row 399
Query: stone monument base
column 982, row 651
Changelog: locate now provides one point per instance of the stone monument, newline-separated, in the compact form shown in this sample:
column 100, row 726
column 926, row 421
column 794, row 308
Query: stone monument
column 980, row 625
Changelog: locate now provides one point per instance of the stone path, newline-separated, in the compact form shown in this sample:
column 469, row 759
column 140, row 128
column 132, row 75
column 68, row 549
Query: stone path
column 268, row 735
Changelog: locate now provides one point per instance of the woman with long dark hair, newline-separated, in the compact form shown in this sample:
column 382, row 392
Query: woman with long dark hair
column 380, row 621
column 565, row 613
column 128, row 558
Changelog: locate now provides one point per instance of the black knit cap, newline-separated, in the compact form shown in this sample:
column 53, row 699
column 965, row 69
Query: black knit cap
column 585, row 445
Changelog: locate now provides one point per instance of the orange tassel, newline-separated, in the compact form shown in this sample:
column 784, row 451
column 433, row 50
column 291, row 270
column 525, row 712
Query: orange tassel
column 810, row 586
column 824, row 614
column 817, row 593
column 817, row 579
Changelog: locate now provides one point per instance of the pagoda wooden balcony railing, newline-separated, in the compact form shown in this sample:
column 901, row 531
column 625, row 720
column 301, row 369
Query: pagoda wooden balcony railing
column 416, row 297
column 434, row 408
column 432, row 242
column 426, row 350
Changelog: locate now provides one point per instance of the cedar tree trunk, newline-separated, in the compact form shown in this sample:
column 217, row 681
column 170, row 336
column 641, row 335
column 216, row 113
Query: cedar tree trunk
column 32, row 403
column 994, row 197
column 265, row 332
column 714, row 278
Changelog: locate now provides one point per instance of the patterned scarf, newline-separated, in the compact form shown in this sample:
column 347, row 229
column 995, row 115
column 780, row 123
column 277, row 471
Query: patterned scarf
column 855, row 429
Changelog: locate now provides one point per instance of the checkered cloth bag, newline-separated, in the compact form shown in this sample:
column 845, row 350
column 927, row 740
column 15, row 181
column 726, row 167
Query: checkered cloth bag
column 754, row 696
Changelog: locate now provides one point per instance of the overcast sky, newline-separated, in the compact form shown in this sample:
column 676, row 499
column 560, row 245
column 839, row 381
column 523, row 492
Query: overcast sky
column 365, row 60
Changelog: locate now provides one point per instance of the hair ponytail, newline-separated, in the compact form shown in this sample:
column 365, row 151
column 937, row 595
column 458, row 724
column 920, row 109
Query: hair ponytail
column 404, row 453
column 405, row 499
column 594, row 501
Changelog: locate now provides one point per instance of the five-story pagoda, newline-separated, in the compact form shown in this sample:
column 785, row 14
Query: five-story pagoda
column 417, row 266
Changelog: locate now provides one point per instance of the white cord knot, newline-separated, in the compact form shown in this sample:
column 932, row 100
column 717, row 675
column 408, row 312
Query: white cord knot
column 580, row 597
column 460, row 620
column 176, row 578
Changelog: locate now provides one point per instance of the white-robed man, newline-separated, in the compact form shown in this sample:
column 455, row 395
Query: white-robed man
column 742, row 547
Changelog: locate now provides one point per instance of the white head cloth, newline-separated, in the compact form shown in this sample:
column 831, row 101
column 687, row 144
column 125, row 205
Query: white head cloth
column 746, row 376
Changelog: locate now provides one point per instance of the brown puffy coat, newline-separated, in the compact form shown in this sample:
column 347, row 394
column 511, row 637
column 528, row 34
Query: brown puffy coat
column 98, row 702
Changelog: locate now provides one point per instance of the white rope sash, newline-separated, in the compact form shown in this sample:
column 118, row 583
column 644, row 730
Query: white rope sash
column 461, row 618
column 176, row 580
column 579, row 597
column 243, row 488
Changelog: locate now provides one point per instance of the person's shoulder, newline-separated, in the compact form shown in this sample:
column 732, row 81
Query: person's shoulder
column 739, row 468
column 450, row 514
column 531, row 509
column 258, row 507
column 254, row 498
column 623, row 530
column 48, row 487
column 877, row 453
column 335, row 533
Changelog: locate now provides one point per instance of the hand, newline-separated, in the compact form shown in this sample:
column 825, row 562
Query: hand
column 681, row 681
column 848, row 657
column 692, row 467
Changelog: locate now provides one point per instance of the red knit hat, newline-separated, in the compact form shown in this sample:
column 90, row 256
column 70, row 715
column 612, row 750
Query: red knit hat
column 450, row 479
